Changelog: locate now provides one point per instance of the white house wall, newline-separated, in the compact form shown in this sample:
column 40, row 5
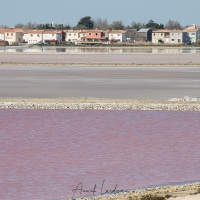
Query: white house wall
column 2, row 36
column 54, row 36
column 33, row 38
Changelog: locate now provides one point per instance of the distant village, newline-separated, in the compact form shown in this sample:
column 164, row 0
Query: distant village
column 15, row 36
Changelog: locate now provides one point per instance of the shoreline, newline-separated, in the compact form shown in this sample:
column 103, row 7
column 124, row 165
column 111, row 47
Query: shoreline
column 170, row 192
column 176, row 104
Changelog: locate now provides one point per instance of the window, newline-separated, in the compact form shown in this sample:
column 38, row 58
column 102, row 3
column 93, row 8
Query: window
column 172, row 40
column 38, row 35
column 74, row 34
column 7, row 34
column 179, row 40
column 161, row 34
column 52, row 34
column 70, row 34
column 31, row 35
column 11, row 34
column 154, row 34
column 90, row 33
column 193, row 34
column 96, row 34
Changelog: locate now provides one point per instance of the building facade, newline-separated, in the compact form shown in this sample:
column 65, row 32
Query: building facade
column 2, row 34
column 143, row 35
column 72, row 36
column 93, row 37
column 117, row 36
column 160, row 36
column 52, row 35
column 33, row 36
column 13, row 35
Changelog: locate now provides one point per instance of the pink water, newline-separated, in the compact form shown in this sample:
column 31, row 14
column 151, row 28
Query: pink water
column 45, row 154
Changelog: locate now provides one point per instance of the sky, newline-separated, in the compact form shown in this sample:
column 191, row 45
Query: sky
column 70, row 11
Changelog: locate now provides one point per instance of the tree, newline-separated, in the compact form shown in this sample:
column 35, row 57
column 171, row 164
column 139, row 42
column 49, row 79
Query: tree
column 154, row 25
column 171, row 24
column 117, row 25
column 4, row 26
column 101, row 24
column 85, row 23
column 45, row 26
column 19, row 25
column 137, row 25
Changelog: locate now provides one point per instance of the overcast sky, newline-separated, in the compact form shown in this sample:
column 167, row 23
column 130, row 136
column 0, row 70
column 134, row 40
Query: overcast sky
column 70, row 11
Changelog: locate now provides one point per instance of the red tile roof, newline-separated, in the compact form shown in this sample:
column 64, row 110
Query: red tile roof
column 34, row 32
column 50, row 31
column 117, row 31
column 162, row 31
column 11, row 30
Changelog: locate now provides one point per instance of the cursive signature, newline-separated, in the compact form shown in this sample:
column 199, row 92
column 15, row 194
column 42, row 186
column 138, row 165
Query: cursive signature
column 80, row 190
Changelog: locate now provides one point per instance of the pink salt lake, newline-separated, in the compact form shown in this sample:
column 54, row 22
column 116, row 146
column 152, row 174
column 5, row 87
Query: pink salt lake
column 45, row 154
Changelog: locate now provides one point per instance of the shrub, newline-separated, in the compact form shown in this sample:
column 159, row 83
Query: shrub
column 198, row 42
column 168, row 196
column 151, row 197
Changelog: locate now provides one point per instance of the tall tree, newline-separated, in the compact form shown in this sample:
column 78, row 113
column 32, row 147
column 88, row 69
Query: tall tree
column 117, row 25
column 154, row 25
column 85, row 23
column 171, row 24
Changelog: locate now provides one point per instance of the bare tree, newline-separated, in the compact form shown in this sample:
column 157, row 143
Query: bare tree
column 137, row 25
column 101, row 24
column 4, row 26
column 117, row 25
column 171, row 24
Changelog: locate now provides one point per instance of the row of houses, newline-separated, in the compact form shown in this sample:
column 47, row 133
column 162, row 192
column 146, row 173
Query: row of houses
column 189, row 35
column 13, row 35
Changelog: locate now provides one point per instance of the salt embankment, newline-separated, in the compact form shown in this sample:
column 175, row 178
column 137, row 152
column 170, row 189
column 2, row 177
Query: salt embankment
column 174, row 104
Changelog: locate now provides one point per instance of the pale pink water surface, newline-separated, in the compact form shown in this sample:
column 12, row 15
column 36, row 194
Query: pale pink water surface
column 45, row 154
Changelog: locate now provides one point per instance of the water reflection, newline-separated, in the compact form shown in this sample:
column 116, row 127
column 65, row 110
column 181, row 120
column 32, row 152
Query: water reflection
column 111, row 50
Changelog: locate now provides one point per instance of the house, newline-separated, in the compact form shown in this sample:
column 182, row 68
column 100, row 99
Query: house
column 52, row 35
column 13, row 35
column 33, row 36
column 117, row 36
column 161, row 36
column 130, row 35
column 193, row 33
column 178, row 37
column 2, row 33
column 82, row 35
column 72, row 36
column 93, row 37
column 144, row 35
